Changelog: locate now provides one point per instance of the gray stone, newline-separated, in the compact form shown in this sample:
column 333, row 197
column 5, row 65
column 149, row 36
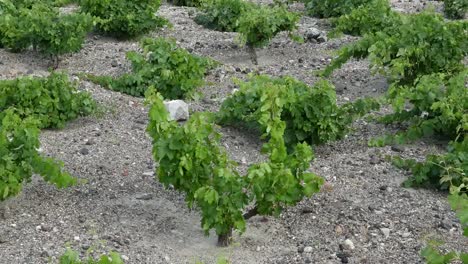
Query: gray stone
column 178, row 110
column 348, row 244
column 308, row 249
column 145, row 196
column 313, row 33
column 84, row 151
column 385, row 232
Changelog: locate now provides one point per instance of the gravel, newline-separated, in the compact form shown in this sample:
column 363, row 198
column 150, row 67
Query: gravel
column 363, row 215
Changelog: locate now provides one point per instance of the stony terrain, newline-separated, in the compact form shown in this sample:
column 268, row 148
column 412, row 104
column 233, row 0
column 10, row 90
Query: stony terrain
column 362, row 216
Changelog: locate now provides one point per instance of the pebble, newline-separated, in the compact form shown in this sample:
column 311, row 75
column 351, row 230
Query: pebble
column 348, row 244
column 397, row 148
column 45, row 228
column 385, row 232
column 114, row 63
column 45, row 254
column 84, row 151
column 90, row 142
column 308, row 249
column 300, row 249
column 145, row 196
column 406, row 234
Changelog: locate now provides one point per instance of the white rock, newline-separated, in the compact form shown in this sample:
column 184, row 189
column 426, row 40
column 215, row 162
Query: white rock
column 385, row 232
column 348, row 244
column 125, row 258
column 178, row 110
column 308, row 249
column 406, row 234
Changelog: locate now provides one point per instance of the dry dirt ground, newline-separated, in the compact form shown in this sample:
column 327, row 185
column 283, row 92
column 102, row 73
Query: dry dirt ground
column 123, row 208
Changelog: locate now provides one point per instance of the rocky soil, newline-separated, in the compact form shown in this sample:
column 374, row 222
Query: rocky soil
column 362, row 216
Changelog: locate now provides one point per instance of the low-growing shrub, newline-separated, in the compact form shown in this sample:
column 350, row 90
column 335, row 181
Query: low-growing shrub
column 257, row 24
column 124, row 18
column 422, row 44
column 71, row 257
column 310, row 113
column 191, row 160
column 456, row 9
column 6, row 8
column 174, row 71
column 51, row 101
column 223, row 15
column 332, row 8
column 364, row 19
column 438, row 107
column 443, row 172
column 19, row 158
column 44, row 28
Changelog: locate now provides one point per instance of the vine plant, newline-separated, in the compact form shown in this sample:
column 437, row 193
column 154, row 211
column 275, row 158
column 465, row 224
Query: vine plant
column 311, row 114
column 191, row 160
column 174, row 71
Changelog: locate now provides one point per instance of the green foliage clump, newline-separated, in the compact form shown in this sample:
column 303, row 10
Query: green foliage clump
column 455, row 9
column 422, row 44
column 124, row 18
column 191, row 160
column 173, row 71
column 333, row 8
column 259, row 25
column 370, row 18
column 51, row 101
column 446, row 171
column 223, row 15
column 71, row 257
column 6, row 8
column 310, row 113
column 19, row 158
column 44, row 28
column 439, row 107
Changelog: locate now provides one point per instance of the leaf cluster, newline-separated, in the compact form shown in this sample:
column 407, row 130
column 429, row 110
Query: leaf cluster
column 51, row 101
column 369, row 18
column 439, row 107
column 256, row 23
column 173, row 71
column 124, row 18
column 311, row 114
column 223, row 15
column 42, row 26
column 422, row 44
column 19, row 158
column 71, row 257
column 332, row 8
column 455, row 9
column 191, row 160
column 446, row 172
column 259, row 25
